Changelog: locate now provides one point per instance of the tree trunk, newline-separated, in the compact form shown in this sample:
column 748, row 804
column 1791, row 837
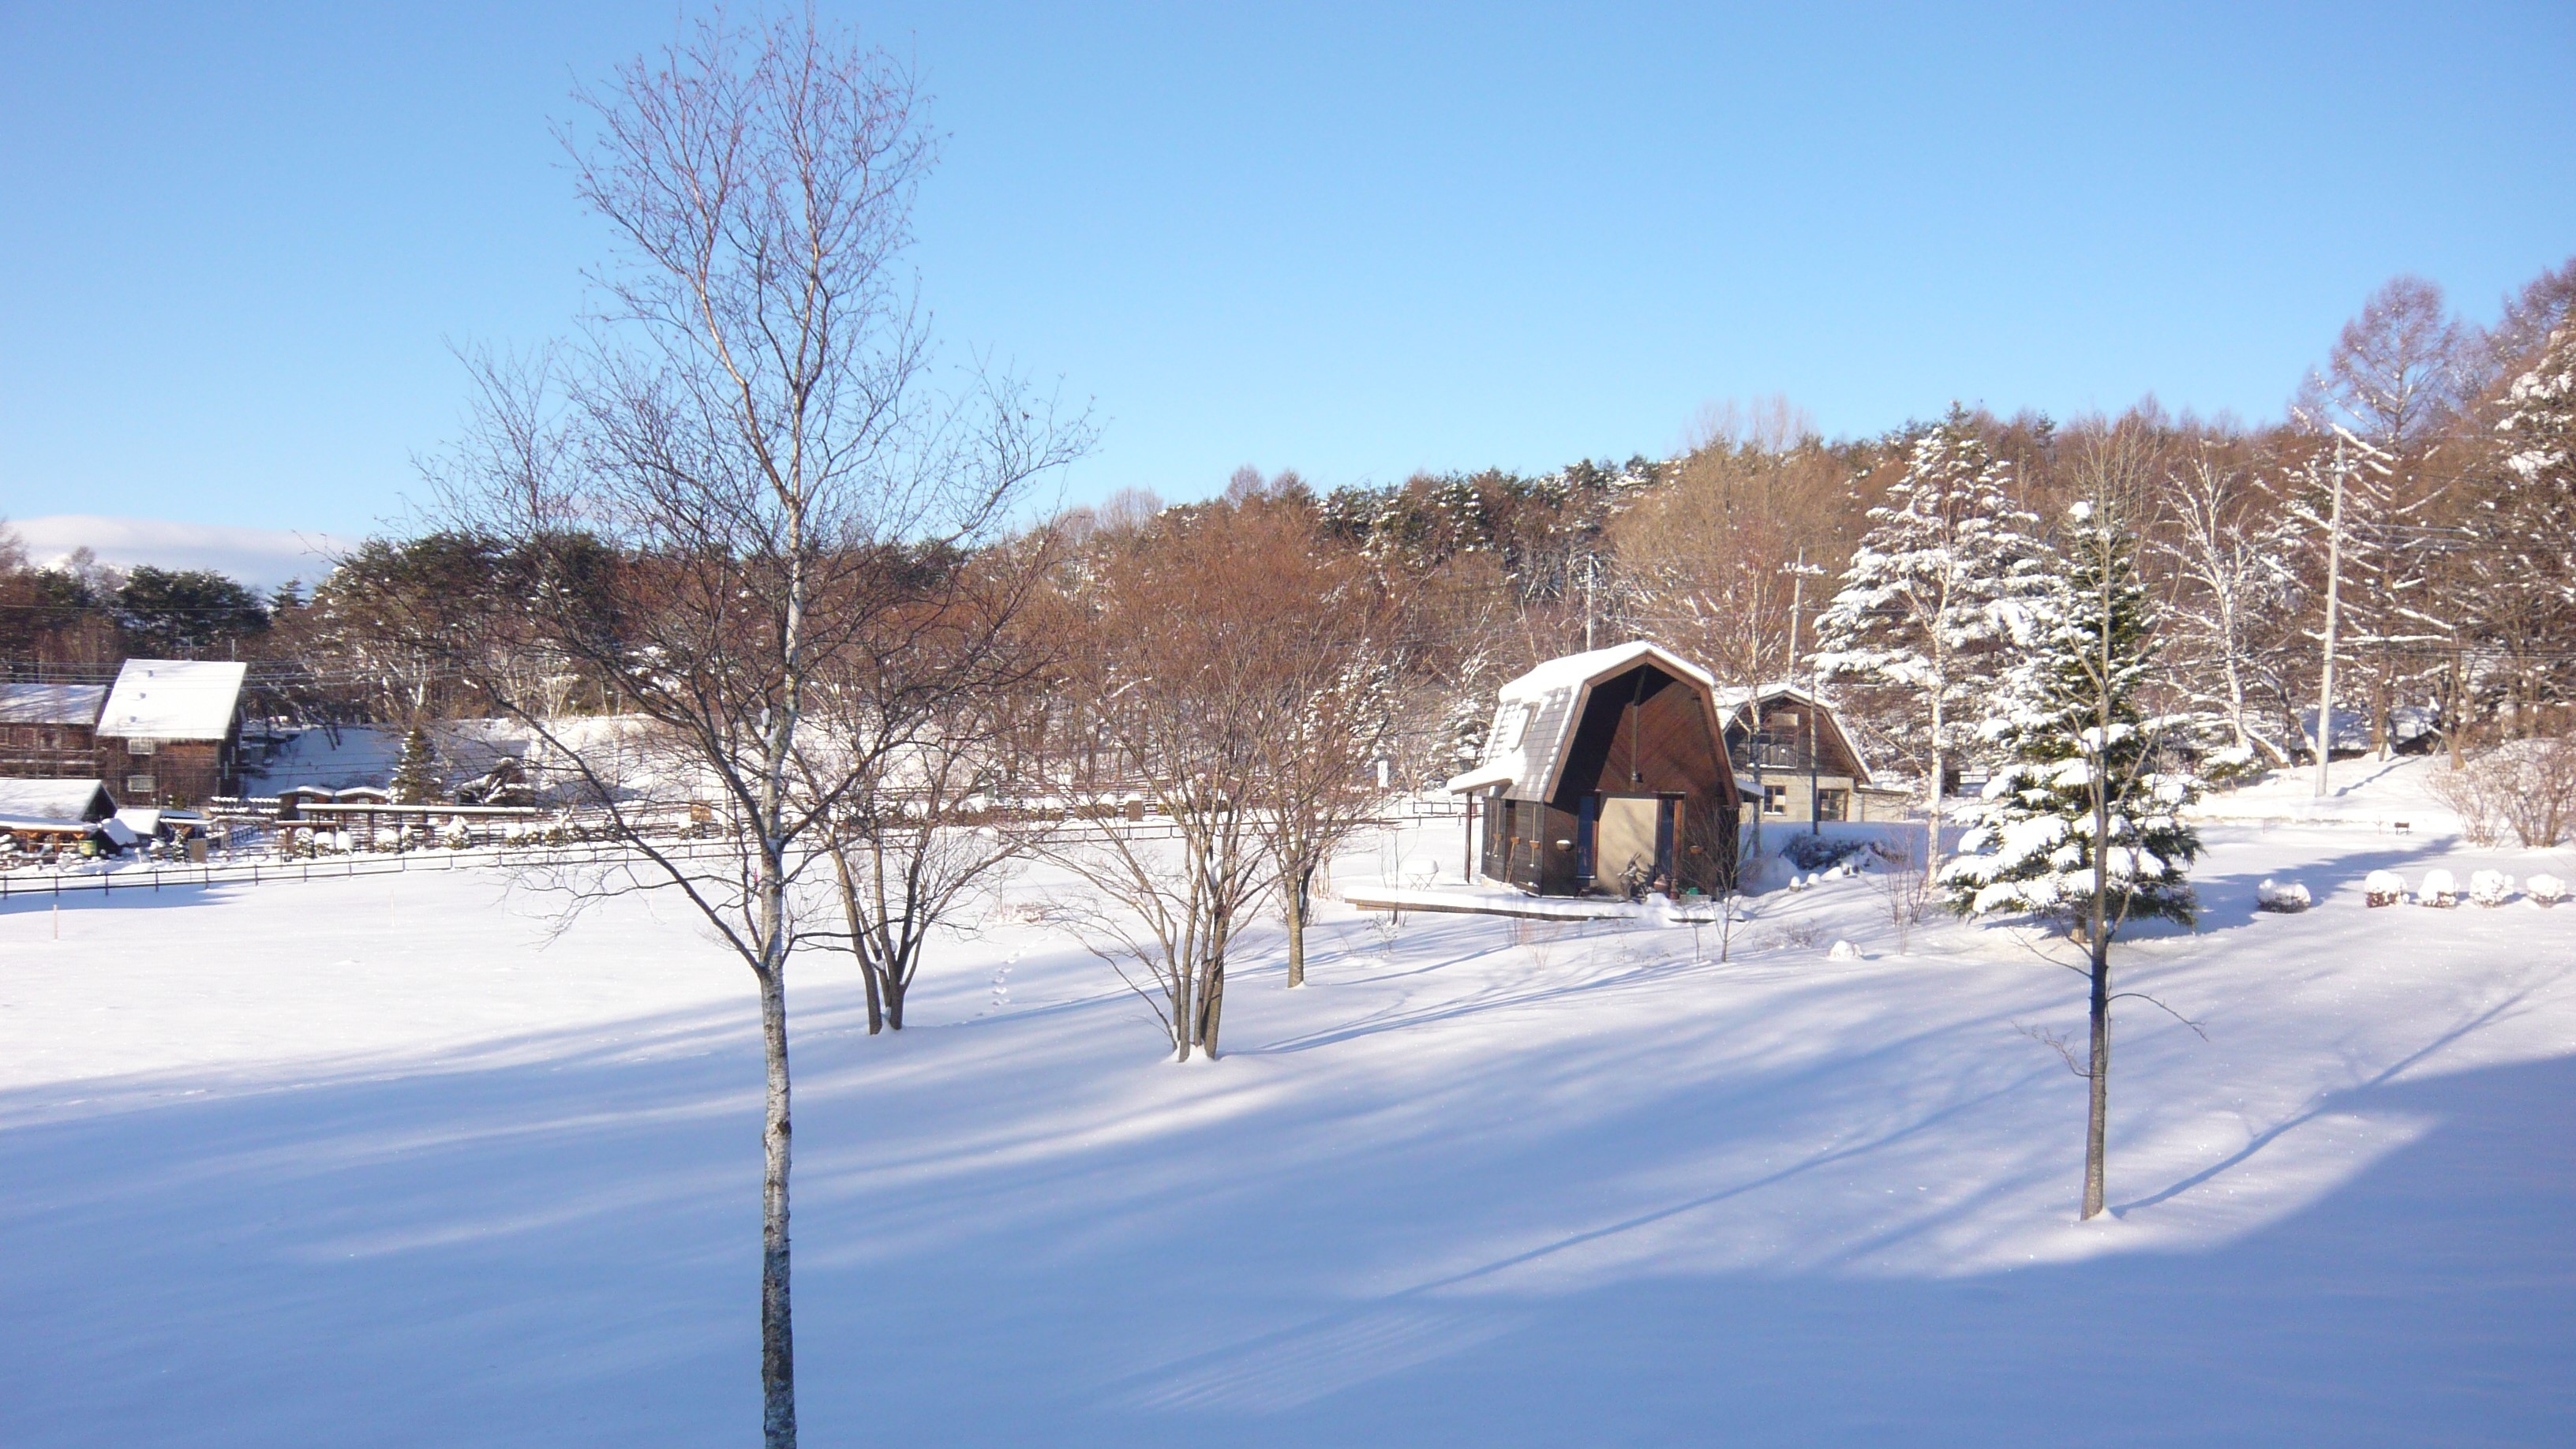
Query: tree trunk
column 896, row 988
column 777, row 1345
column 858, row 938
column 1296, row 910
column 2097, row 1114
column 1211, row 1006
column 1184, row 1020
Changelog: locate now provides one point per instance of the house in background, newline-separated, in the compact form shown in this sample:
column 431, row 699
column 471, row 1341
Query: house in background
column 50, row 731
column 45, row 814
column 1794, row 759
column 170, row 733
column 1606, row 772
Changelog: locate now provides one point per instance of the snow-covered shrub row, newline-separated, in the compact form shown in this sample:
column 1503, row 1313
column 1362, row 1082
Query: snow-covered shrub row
column 2490, row 887
column 2286, row 899
column 2383, row 888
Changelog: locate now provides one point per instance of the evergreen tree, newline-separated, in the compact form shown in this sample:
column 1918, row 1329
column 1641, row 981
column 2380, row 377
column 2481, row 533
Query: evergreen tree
column 187, row 613
column 2084, row 827
column 2083, row 764
column 416, row 779
column 1938, row 586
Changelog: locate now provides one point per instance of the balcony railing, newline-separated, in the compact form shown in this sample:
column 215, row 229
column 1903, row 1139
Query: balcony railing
column 1783, row 755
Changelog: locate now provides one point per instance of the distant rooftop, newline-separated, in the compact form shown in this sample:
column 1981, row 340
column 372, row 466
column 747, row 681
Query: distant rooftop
column 51, row 704
column 172, row 699
column 53, row 801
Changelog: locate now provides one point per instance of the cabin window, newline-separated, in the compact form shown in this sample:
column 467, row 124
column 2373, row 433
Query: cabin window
column 138, row 747
column 1833, row 804
column 141, row 785
column 1775, row 799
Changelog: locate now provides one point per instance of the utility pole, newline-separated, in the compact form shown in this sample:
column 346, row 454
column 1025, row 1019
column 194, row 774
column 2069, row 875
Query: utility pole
column 2334, row 584
column 1591, row 567
column 1797, row 603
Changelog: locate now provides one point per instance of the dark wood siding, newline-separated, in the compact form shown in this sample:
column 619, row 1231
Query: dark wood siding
column 1647, row 733
column 183, row 772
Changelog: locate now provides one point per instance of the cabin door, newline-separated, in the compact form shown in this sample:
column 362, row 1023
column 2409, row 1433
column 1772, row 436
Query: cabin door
column 1625, row 843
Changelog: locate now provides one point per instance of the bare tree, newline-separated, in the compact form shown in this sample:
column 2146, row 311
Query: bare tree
column 2225, row 544
column 1332, row 658
column 911, row 729
column 728, row 488
column 2397, row 370
column 1173, row 675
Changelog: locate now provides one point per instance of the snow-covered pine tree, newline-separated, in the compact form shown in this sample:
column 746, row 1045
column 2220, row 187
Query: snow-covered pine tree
column 416, row 779
column 1937, row 586
column 2084, row 826
column 2523, row 559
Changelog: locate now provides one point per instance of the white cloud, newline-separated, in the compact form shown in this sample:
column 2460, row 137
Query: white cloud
column 260, row 557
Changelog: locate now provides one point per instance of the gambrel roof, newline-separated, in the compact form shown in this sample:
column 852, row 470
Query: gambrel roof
column 1535, row 715
column 1735, row 708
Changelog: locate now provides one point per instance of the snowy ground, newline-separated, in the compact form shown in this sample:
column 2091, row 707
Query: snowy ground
column 367, row 1162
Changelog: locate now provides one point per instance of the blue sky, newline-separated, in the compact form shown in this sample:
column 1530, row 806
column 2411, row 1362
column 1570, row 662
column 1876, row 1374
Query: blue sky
column 1354, row 241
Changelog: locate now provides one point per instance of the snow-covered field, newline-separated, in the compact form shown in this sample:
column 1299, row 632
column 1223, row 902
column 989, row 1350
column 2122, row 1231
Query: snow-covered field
column 371, row 1162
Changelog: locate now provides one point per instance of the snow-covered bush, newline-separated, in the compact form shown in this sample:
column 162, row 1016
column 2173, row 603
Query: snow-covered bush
column 2383, row 888
column 2545, row 889
column 2490, row 887
column 2522, row 789
column 1816, row 852
column 1842, row 951
column 2231, row 766
column 2289, row 899
column 2440, row 889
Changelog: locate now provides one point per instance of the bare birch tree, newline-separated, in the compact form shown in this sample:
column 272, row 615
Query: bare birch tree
column 2226, row 544
column 724, row 489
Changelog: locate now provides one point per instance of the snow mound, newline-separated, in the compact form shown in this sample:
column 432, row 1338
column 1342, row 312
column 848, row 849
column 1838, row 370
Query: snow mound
column 2545, row 889
column 2440, row 889
column 2490, row 887
column 2286, row 899
column 1842, row 951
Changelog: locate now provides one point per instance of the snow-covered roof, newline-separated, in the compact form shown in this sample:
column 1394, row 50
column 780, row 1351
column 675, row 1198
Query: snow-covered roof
column 51, row 704
column 1535, row 715
column 61, row 802
column 1732, row 705
column 173, row 699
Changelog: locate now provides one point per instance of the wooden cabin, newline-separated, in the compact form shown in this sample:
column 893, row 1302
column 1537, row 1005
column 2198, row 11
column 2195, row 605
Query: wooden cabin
column 48, row 814
column 50, row 731
column 1795, row 762
column 170, row 733
column 1606, row 773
